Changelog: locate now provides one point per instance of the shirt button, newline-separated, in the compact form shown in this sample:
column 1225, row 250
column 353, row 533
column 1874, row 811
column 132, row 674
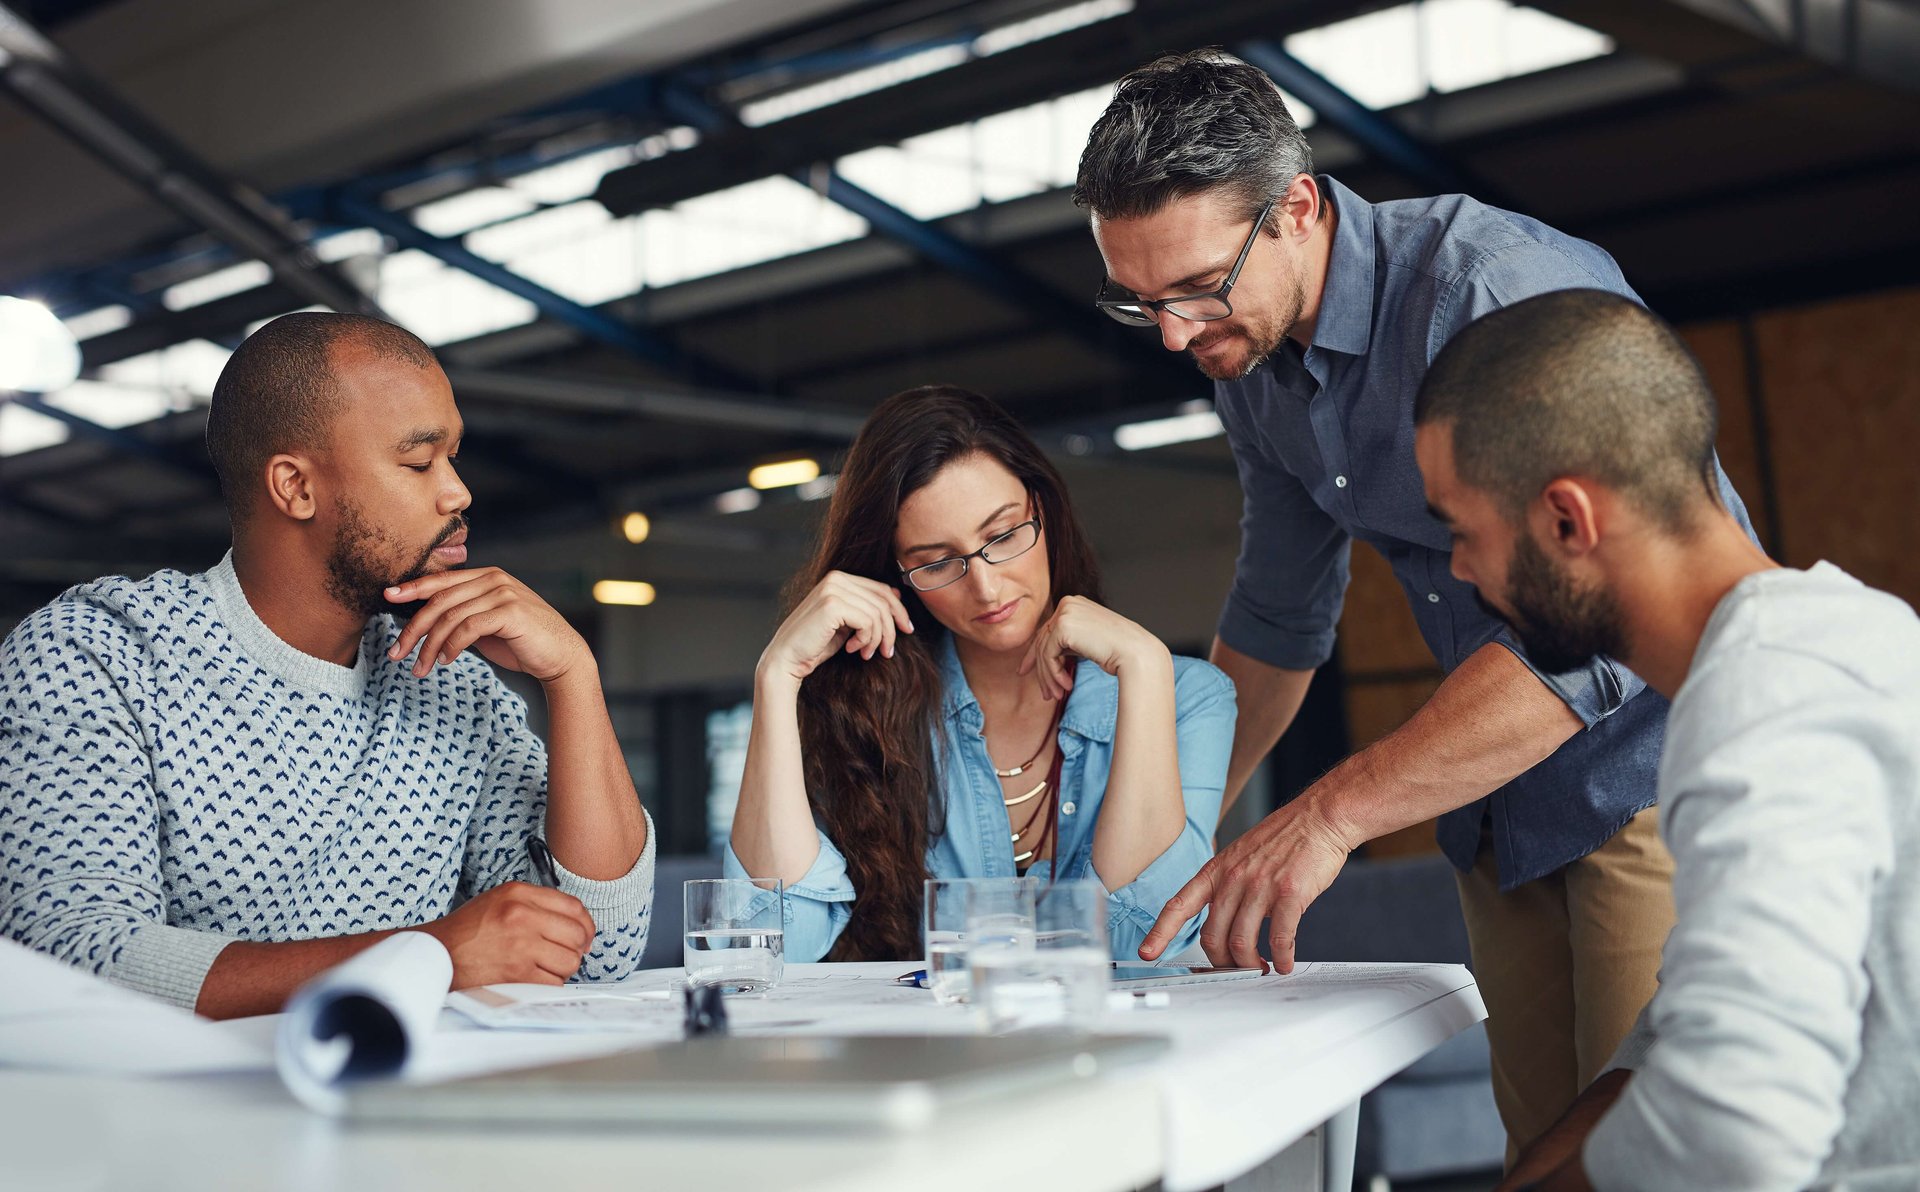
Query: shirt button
column 1339, row 482
column 1067, row 807
column 1433, row 597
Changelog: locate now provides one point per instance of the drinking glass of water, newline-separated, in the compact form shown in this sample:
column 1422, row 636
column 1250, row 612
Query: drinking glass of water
column 943, row 922
column 735, row 935
column 1052, row 974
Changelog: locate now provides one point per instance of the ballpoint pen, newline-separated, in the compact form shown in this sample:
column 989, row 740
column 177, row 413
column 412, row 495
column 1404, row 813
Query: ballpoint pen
column 542, row 862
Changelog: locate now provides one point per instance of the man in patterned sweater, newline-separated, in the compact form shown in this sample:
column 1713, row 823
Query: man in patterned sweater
column 214, row 786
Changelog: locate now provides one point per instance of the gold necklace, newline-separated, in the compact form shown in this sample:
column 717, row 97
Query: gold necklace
column 1023, row 767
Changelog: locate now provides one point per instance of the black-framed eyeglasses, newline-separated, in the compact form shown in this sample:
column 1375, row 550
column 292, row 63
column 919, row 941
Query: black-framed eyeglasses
column 1136, row 311
column 1002, row 548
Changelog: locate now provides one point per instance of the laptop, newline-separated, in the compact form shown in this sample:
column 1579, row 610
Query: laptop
column 849, row 1082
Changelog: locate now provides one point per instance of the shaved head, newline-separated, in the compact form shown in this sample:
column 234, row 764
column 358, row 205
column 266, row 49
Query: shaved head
column 281, row 391
column 1577, row 383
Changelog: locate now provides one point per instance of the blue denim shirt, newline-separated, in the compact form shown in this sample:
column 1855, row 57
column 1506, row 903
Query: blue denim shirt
column 1324, row 444
column 977, row 840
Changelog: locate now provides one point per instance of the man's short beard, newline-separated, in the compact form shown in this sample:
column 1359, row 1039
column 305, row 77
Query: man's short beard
column 1561, row 626
column 1264, row 337
column 360, row 565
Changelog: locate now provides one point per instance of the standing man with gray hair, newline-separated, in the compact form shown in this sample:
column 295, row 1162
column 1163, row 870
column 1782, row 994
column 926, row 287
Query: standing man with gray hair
column 1316, row 314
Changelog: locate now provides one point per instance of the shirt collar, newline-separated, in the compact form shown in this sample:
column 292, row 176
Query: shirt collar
column 1345, row 323
column 1092, row 707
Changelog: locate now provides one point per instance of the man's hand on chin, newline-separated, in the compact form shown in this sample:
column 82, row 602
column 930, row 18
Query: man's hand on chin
column 491, row 611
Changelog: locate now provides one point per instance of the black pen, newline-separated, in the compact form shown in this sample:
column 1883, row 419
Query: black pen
column 543, row 869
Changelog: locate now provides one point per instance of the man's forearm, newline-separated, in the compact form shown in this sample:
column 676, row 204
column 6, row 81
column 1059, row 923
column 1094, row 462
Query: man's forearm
column 1490, row 721
column 250, row 977
column 1267, row 698
column 1552, row 1162
column 595, row 826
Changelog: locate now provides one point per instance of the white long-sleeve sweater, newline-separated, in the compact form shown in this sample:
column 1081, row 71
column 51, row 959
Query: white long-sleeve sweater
column 174, row 776
column 1782, row 1050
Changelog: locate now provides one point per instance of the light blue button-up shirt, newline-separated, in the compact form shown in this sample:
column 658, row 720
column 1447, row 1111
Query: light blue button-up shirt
column 977, row 841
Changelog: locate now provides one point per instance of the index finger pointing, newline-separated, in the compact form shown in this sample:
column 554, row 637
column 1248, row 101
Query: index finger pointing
column 1179, row 911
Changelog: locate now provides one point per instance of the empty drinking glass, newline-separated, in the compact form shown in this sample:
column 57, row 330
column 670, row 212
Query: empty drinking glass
column 735, row 933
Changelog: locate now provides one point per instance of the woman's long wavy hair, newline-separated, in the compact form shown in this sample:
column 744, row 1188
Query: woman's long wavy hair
column 868, row 729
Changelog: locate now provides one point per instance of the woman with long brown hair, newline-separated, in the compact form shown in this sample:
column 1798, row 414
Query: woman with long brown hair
column 946, row 700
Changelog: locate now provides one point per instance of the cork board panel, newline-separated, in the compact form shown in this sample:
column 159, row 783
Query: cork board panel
column 1722, row 357
column 1373, row 711
column 1377, row 629
column 1842, row 387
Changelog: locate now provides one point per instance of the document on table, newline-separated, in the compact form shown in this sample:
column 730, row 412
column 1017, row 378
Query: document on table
column 52, row 1015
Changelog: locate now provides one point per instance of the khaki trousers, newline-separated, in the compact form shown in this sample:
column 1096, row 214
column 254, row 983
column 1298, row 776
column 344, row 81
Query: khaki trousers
column 1565, row 964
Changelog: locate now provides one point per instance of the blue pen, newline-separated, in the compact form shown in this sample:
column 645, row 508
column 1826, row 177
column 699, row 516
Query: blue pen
column 917, row 978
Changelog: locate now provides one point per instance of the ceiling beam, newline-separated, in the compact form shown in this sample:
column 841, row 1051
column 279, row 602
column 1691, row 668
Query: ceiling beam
column 1054, row 66
column 51, row 85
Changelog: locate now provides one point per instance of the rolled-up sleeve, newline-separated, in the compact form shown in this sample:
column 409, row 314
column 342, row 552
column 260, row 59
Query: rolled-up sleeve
column 1743, row 1057
column 1522, row 270
column 816, row 908
column 1204, row 712
column 1291, row 576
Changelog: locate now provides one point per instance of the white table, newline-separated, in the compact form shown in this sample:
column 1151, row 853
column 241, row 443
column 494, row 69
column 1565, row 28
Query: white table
column 1253, row 1067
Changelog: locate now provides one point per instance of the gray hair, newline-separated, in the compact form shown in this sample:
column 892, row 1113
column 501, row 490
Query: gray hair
column 1187, row 124
column 1577, row 383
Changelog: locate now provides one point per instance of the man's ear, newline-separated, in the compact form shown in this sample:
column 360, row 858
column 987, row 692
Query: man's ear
column 1565, row 519
column 290, row 486
column 1299, row 208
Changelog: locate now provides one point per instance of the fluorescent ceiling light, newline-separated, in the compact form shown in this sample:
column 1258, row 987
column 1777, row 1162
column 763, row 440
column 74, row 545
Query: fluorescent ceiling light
column 1162, row 432
column 856, row 83
column 623, row 591
column 932, row 60
column 737, row 500
column 100, row 321
column 784, row 474
column 221, row 283
column 1049, row 24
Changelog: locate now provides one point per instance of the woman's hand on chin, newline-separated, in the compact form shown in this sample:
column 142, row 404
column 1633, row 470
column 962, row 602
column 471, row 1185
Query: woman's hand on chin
column 1079, row 628
column 843, row 613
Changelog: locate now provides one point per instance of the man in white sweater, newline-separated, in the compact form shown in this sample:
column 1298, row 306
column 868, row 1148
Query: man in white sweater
column 214, row 786
column 1567, row 442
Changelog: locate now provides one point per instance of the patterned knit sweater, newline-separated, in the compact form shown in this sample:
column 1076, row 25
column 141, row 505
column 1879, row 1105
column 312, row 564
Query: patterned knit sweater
column 174, row 776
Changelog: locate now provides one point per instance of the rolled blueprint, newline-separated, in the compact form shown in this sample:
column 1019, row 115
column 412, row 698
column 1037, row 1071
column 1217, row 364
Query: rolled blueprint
column 362, row 1020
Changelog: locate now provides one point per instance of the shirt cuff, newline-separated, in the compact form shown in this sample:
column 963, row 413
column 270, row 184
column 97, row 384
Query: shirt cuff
column 1631, row 1055
column 633, row 889
column 1259, row 638
column 1137, row 905
column 1593, row 692
column 170, row 963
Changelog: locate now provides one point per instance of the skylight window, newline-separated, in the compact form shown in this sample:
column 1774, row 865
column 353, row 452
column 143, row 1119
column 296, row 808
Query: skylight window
column 443, row 305
column 1396, row 55
column 23, row 430
column 461, row 213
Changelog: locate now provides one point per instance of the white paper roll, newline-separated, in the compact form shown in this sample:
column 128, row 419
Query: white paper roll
column 364, row 1019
